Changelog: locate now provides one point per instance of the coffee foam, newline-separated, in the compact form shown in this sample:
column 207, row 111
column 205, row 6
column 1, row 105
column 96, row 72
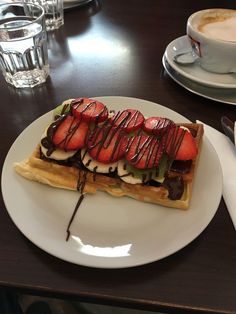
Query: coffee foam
column 221, row 27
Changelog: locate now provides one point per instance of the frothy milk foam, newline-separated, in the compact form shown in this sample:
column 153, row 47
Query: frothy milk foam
column 219, row 27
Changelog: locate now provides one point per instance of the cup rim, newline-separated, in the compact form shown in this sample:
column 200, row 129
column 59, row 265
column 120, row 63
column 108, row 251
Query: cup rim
column 22, row 4
column 193, row 15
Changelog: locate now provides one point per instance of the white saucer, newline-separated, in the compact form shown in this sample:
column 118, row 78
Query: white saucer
column 227, row 96
column 194, row 72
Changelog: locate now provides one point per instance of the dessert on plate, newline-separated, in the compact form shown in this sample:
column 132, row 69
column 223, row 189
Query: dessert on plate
column 89, row 148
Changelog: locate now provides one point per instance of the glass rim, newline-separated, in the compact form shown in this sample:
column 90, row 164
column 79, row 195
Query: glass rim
column 22, row 4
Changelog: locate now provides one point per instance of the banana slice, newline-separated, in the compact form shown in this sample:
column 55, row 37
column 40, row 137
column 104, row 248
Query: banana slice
column 57, row 154
column 94, row 165
column 125, row 175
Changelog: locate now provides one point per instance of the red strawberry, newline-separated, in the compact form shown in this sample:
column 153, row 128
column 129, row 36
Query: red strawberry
column 157, row 125
column 107, row 144
column 70, row 134
column 181, row 144
column 89, row 110
column 128, row 120
column 144, row 151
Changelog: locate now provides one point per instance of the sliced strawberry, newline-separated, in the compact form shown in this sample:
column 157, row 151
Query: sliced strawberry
column 144, row 151
column 181, row 145
column 89, row 110
column 157, row 125
column 107, row 144
column 128, row 120
column 70, row 134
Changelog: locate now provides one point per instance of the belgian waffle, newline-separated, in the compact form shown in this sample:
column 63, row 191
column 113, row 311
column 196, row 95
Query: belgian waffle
column 69, row 177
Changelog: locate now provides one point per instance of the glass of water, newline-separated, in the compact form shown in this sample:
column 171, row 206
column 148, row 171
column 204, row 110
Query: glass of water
column 54, row 14
column 23, row 44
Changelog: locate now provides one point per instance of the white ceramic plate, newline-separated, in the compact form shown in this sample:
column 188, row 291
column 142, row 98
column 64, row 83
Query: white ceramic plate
column 194, row 72
column 107, row 232
column 227, row 96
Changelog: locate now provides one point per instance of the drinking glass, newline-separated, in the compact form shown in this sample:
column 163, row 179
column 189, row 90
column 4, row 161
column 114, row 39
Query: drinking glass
column 54, row 14
column 23, row 44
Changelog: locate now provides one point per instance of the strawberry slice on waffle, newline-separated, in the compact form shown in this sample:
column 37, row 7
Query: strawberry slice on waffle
column 144, row 151
column 180, row 144
column 107, row 144
column 70, row 134
column 89, row 110
column 129, row 120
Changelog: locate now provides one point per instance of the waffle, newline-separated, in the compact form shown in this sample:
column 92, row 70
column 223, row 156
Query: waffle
column 65, row 177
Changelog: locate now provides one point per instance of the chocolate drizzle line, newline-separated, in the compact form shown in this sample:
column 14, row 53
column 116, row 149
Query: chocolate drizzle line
column 64, row 108
column 162, row 126
column 101, row 137
column 80, row 187
column 89, row 106
column 73, row 215
column 47, row 141
column 72, row 129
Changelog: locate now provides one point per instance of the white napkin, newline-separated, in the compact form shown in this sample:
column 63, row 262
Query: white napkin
column 227, row 154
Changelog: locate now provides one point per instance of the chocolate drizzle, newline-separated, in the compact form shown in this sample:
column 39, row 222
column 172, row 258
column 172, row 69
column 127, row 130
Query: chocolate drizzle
column 173, row 141
column 73, row 216
column 161, row 125
column 175, row 187
column 101, row 138
column 125, row 118
column 66, row 108
column 47, row 141
column 92, row 106
column 80, row 187
column 149, row 146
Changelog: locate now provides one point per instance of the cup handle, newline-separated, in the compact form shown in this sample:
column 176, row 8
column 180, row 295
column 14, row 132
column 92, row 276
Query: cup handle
column 196, row 46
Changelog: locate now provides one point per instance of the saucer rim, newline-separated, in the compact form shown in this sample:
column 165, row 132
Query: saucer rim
column 191, row 89
column 180, row 69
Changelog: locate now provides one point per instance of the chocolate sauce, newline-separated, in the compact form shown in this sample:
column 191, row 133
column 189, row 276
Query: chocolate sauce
column 90, row 106
column 193, row 132
column 162, row 126
column 65, row 108
column 74, row 161
column 173, row 140
column 101, row 137
column 73, row 215
column 181, row 166
column 125, row 118
column 47, row 141
column 153, row 183
column 148, row 146
column 80, row 188
column 175, row 187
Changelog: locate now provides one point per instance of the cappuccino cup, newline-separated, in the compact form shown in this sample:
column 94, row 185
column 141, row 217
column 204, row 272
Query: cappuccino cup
column 212, row 34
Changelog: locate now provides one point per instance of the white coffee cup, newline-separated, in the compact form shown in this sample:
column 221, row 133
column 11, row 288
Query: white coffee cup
column 212, row 33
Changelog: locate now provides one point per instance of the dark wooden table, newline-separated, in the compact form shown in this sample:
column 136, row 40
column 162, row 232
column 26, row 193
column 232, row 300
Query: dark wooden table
column 87, row 58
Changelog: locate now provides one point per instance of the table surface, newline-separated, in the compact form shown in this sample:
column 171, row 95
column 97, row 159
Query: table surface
column 87, row 59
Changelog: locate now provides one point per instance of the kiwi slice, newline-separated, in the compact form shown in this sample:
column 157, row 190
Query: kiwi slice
column 142, row 174
column 156, row 173
column 61, row 109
